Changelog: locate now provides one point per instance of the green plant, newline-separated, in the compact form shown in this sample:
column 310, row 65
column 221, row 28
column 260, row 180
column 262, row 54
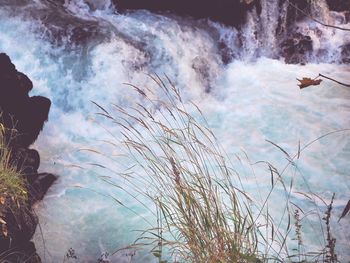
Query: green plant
column 13, row 191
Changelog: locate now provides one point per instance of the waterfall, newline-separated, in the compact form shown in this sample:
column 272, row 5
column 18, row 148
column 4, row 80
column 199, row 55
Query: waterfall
column 265, row 33
column 78, row 51
column 320, row 10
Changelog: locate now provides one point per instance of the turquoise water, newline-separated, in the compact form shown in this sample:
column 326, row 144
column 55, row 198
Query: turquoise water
column 249, row 102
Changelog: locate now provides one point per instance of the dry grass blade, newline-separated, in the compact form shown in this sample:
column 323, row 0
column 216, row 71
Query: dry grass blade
column 12, row 185
column 345, row 211
column 191, row 182
column 204, row 214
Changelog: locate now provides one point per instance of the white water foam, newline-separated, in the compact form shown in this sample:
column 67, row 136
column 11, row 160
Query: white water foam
column 248, row 103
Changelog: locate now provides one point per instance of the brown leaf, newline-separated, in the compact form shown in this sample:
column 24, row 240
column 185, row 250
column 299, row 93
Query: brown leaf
column 306, row 82
column 2, row 199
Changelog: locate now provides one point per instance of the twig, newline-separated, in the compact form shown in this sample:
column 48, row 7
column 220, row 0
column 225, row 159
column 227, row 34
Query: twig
column 316, row 20
column 341, row 83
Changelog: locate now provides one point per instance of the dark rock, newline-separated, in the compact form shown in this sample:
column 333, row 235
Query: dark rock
column 227, row 53
column 339, row 5
column 26, row 221
column 25, row 114
column 23, row 118
column 6, row 66
column 26, row 253
column 27, row 160
column 345, row 53
column 200, row 66
column 39, row 184
column 31, row 120
column 296, row 48
column 21, row 222
column 346, row 17
column 297, row 10
column 229, row 12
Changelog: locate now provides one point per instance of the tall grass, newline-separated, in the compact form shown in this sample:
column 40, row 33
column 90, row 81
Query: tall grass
column 12, row 184
column 13, row 197
column 203, row 213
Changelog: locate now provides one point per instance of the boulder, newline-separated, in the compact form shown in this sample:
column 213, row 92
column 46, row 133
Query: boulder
column 39, row 184
column 345, row 53
column 296, row 48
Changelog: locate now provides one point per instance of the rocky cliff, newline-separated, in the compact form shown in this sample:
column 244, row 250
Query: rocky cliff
column 22, row 119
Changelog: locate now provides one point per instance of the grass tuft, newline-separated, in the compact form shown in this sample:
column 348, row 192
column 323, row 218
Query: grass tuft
column 203, row 214
column 13, row 191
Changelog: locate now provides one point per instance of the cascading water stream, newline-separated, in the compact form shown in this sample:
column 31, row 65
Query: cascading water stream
column 78, row 51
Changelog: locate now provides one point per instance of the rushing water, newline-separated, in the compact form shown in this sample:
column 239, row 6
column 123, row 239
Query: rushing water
column 85, row 51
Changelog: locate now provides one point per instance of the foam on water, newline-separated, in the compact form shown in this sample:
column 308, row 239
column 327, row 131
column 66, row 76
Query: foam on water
column 248, row 103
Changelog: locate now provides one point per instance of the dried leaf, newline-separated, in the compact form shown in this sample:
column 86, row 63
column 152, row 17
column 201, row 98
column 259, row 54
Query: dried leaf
column 2, row 200
column 306, row 82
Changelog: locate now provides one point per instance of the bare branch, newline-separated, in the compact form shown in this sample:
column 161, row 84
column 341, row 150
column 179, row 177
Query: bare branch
column 316, row 20
column 341, row 83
